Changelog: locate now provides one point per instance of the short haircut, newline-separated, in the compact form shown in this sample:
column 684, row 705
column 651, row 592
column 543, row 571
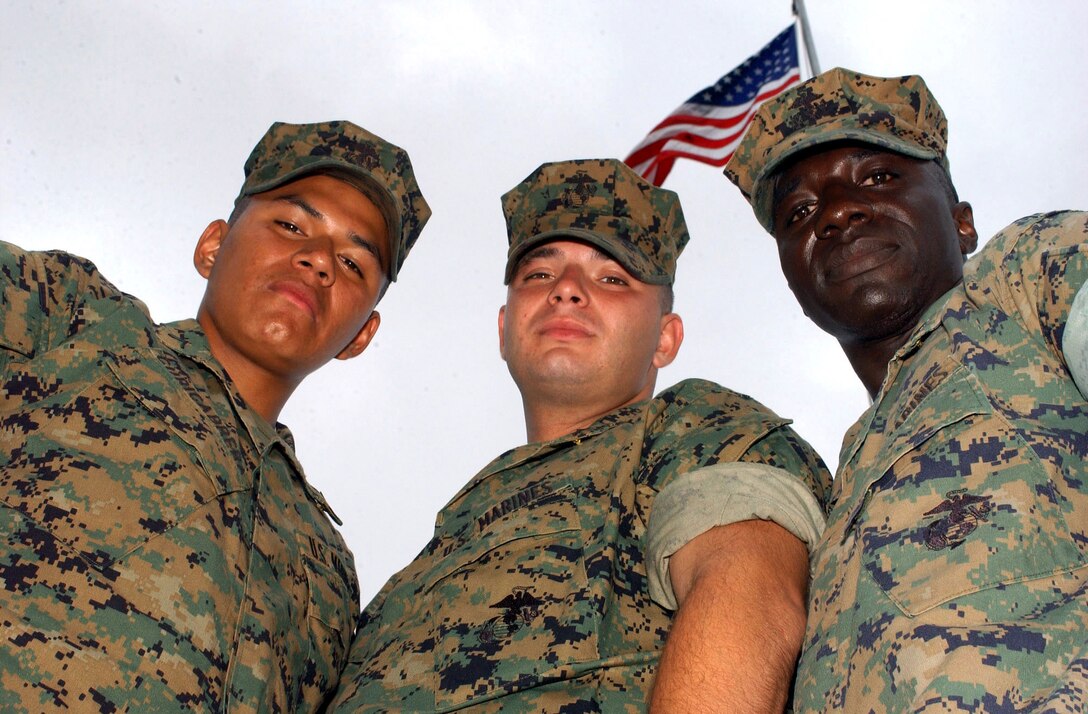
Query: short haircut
column 946, row 182
column 667, row 298
column 239, row 208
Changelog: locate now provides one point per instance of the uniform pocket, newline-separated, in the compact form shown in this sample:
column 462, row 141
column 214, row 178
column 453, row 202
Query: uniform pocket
column 330, row 610
column 100, row 470
column 967, row 508
column 512, row 604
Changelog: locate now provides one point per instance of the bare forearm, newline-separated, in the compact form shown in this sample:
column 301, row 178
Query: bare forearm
column 735, row 639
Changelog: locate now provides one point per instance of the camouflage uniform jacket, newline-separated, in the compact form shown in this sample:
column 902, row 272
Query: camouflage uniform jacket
column 951, row 576
column 162, row 550
column 532, row 595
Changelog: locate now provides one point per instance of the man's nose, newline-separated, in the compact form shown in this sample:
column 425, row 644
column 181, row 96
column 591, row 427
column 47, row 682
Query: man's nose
column 843, row 207
column 570, row 286
column 317, row 255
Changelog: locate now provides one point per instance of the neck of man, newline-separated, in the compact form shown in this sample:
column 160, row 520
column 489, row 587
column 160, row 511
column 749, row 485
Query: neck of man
column 870, row 359
column 267, row 397
column 264, row 392
column 547, row 419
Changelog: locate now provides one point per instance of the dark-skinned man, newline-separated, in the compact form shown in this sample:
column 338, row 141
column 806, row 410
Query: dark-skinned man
column 952, row 574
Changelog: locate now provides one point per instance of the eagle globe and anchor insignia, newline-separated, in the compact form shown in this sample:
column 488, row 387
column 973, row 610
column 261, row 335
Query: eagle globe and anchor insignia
column 519, row 608
column 963, row 512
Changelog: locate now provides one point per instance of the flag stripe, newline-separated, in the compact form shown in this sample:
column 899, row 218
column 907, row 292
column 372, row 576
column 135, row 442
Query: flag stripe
column 710, row 124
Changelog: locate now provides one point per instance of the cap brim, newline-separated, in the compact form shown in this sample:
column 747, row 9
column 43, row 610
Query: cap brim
column 617, row 250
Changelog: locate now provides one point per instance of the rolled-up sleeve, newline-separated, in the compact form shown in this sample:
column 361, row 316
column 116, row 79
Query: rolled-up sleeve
column 719, row 495
column 1075, row 340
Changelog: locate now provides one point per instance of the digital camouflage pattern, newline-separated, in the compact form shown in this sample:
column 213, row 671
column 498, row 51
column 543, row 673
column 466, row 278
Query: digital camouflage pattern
column 532, row 594
column 897, row 113
column 161, row 548
column 951, row 576
column 605, row 203
column 382, row 171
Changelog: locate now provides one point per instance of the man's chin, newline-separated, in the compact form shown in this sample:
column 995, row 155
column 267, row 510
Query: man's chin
column 557, row 371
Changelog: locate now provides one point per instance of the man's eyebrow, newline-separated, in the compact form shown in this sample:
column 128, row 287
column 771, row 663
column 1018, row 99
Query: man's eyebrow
column 543, row 251
column 864, row 153
column 301, row 203
column 368, row 245
column 783, row 189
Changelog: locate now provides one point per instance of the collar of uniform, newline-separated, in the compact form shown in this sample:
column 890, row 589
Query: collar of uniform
column 187, row 338
column 528, row 452
column 931, row 319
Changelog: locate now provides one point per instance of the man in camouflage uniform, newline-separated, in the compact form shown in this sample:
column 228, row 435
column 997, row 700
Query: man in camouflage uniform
column 555, row 575
column 162, row 549
column 952, row 573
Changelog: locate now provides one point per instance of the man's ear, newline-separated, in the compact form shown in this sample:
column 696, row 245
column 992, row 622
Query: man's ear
column 207, row 247
column 668, row 340
column 965, row 227
column 362, row 338
column 502, row 332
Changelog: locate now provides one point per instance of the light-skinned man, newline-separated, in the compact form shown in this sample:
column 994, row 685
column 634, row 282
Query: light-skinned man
column 636, row 542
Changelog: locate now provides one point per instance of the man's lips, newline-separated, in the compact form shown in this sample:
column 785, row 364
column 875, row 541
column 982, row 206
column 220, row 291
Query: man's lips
column 565, row 330
column 297, row 294
column 858, row 256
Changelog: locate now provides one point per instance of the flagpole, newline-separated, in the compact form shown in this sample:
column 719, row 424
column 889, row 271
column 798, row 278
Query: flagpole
column 810, row 48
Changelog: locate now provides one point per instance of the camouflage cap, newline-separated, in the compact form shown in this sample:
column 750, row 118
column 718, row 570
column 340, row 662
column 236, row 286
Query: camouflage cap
column 383, row 172
column 895, row 113
column 605, row 203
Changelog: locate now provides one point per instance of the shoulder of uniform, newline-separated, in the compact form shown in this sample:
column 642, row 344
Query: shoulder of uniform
column 705, row 396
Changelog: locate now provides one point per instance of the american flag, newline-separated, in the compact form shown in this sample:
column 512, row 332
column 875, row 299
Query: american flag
column 709, row 126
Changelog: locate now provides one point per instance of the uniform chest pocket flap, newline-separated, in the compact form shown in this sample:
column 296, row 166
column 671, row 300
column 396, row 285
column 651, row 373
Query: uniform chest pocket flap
column 512, row 603
column 963, row 505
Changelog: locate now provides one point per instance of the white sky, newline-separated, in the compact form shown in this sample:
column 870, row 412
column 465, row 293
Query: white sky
column 124, row 127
